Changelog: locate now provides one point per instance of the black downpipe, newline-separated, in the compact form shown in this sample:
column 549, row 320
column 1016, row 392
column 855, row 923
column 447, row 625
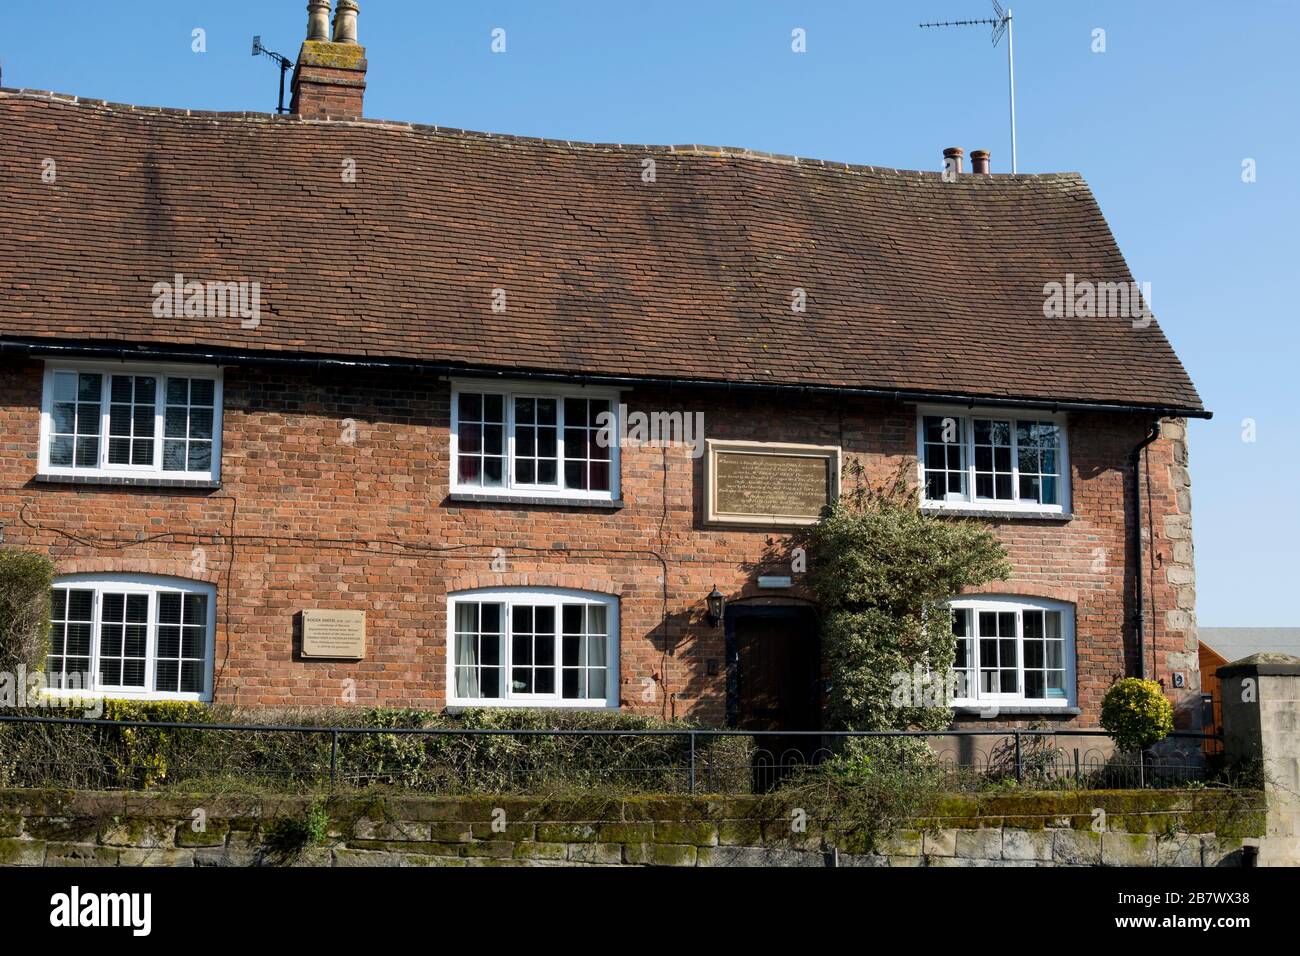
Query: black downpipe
column 1135, row 466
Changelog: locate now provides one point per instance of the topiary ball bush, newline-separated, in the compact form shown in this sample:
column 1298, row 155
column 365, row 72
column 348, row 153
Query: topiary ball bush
column 1136, row 713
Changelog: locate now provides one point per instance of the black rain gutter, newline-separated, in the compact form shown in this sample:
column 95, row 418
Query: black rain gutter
column 1135, row 463
column 127, row 353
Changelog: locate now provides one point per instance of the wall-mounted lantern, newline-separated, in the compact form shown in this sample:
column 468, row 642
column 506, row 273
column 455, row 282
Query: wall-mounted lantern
column 717, row 606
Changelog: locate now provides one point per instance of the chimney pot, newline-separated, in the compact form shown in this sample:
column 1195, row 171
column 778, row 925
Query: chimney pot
column 318, row 19
column 329, row 79
column 952, row 159
column 979, row 162
column 345, row 21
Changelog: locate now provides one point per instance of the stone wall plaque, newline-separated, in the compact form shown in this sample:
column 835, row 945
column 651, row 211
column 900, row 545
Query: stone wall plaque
column 769, row 483
column 336, row 634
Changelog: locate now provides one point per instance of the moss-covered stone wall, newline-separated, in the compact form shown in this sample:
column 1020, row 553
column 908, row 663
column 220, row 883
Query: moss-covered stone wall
column 1106, row 828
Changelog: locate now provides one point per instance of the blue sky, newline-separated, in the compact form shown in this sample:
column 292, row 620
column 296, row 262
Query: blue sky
column 1159, row 123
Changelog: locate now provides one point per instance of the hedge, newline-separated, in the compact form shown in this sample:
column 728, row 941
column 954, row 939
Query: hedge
column 25, row 581
column 104, row 757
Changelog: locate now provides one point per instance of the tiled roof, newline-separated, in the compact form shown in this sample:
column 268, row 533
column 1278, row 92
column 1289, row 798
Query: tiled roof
column 912, row 283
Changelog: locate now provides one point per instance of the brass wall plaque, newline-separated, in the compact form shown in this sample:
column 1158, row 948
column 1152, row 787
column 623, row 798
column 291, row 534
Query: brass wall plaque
column 336, row 634
column 770, row 483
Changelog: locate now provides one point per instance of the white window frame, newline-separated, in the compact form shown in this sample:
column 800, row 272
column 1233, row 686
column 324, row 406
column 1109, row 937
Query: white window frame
column 151, row 585
column 969, row 502
column 106, row 370
column 509, row 392
column 1018, row 604
column 551, row 597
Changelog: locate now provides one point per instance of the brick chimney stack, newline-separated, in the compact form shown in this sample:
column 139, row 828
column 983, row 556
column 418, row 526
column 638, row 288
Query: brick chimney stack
column 330, row 76
column 979, row 162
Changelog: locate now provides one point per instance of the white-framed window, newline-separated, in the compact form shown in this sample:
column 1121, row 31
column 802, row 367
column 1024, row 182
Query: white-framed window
column 534, row 440
column 1013, row 651
column 103, row 419
column 532, row 647
column 144, row 636
column 990, row 459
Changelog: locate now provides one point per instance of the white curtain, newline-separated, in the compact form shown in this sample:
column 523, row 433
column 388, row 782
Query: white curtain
column 467, row 684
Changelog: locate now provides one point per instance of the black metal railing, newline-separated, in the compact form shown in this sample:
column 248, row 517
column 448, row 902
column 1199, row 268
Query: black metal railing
column 39, row 751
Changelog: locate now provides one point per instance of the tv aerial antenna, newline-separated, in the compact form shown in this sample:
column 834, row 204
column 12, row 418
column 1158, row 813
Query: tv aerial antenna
column 286, row 65
column 1001, row 23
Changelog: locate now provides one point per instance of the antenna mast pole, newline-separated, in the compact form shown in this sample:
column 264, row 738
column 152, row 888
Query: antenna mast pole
column 1011, row 75
column 1001, row 24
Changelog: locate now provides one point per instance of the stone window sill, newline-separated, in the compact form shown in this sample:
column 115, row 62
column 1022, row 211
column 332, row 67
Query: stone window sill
column 993, row 711
column 129, row 481
column 1001, row 514
column 536, row 501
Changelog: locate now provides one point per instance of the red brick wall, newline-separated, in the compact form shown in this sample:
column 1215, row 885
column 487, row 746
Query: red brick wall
column 305, row 520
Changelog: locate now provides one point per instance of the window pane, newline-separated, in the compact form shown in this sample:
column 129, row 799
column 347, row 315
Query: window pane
column 192, row 677
column 87, row 452
column 521, row 649
column 169, row 641
column 544, row 650
column 65, row 386
column 200, row 456
column 174, row 422
column 89, row 387
column 61, row 452
column 196, row 609
column 572, row 652
column 78, row 639
column 201, row 423
column 469, row 468
column 173, row 455
column 203, row 392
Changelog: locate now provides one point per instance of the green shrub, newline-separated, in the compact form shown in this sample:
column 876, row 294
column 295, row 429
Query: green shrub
column 882, row 572
column 25, row 581
column 287, row 836
column 859, row 798
column 1136, row 713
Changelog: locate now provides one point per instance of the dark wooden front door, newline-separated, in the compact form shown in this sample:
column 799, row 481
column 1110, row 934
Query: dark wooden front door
column 777, row 662
column 776, row 659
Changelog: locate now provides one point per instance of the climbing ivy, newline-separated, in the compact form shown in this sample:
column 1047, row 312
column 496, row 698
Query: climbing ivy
column 882, row 571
